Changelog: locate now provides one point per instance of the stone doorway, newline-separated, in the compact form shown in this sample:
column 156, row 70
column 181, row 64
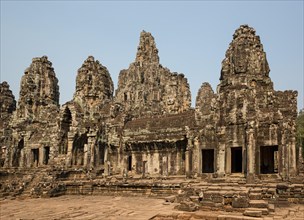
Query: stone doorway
column 130, row 163
column 79, row 145
column 236, row 159
column 208, row 161
column 268, row 159
column 35, row 157
column 17, row 153
column 46, row 155
column 102, row 154
column 165, row 166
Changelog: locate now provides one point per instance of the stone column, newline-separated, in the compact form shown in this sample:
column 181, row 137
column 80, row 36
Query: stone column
column 41, row 155
column 28, row 158
column 196, row 156
column 91, row 148
column 70, row 149
column 86, row 152
column 283, row 157
column 250, row 154
column 187, row 161
column 22, row 162
column 189, row 153
column 292, row 157
column 221, row 152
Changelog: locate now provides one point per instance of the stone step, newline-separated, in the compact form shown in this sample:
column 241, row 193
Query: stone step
column 271, row 208
column 253, row 213
column 256, row 190
column 258, row 204
column 264, row 211
column 255, row 196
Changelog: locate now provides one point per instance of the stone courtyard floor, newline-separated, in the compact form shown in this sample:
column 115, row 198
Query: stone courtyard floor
column 110, row 207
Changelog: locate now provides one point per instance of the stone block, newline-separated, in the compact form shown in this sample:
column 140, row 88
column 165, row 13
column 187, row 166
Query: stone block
column 258, row 204
column 241, row 202
column 255, row 196
column 253, row 213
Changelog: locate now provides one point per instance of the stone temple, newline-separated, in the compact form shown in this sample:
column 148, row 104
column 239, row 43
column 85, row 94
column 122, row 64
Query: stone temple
column 245, row 129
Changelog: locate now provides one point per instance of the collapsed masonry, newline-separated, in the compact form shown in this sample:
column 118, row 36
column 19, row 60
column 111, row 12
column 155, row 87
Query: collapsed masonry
column 148, row 127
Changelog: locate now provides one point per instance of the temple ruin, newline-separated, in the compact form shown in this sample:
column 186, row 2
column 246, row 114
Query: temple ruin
column 147, row 128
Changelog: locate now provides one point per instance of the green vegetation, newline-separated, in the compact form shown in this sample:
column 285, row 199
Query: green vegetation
column 300, row 131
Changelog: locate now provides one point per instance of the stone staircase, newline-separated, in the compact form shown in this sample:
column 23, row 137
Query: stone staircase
column 254, row 200
column 28, row 188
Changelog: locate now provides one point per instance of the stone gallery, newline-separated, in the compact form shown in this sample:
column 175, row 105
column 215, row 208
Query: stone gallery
column 245, row 128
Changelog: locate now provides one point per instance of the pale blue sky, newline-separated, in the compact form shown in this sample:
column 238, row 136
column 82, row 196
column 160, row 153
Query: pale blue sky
column 191, row 36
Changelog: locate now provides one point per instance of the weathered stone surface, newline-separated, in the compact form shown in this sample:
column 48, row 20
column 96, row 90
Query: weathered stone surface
column 34, row 121
column 147, row 88
column 253, row 213
column 240, row 202
column 39, row 89
column 82, row 120
column 244, row 120
column 148, row 130
column 7, row 101
column 7, row 106
column 94, row 87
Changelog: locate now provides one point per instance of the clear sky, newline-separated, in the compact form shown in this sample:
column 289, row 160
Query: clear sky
column 191, row 36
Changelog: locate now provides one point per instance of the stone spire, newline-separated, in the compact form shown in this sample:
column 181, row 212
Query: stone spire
column 147, row 51
column 245, row 55
column 147, row 88
column 7, row 106
column 38, row 88
column 7, row 100
column 94, row 85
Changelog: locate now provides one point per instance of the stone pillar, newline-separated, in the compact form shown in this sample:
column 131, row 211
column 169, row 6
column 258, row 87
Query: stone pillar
column 91, row 148
column 225, row 159
column 87, row 153
column 189, row 157
column 41, row 156
column 292, row 157
column 187, row 161
column 221, row 152
column 283, row 157
column 22, row 156
column 196, row 156
column 70, row 149
column 250, row 154
column 28, row 157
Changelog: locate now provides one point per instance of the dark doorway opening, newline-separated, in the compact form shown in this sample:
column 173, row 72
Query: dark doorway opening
column 46, row 155
column 269, row 159
column 35, row 157
column 65, row 128
column 101, row 153
column 236, row 159
column 17, row 153
column 130, row 163
column 208, row 161
column 78, row 149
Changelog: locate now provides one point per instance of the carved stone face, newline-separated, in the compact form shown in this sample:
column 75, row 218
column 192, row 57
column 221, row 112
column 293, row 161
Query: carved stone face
column 240, row 59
